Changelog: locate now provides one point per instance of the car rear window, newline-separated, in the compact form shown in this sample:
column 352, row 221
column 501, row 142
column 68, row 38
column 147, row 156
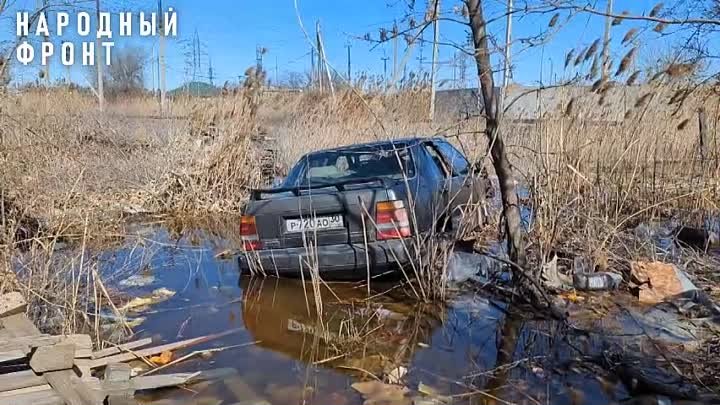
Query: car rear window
column 358, row 163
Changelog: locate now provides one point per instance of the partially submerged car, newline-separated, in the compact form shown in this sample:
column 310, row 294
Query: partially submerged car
column 357, row 209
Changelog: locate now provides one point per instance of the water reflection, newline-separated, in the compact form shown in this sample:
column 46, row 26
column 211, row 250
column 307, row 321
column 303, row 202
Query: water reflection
column 316, row 340
column 335, row 325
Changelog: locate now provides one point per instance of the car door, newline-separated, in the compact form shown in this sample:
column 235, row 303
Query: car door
column 436, row 174
column 460, row 186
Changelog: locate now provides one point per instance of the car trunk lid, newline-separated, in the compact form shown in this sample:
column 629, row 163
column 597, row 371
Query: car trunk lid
column 321, row 216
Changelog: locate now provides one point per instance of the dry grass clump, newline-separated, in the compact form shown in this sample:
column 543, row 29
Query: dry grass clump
column 227, row 159
column 591, row 180
column 315, row 121
column 64, row 165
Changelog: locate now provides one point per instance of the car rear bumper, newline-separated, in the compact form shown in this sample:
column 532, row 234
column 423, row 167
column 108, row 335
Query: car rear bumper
column 348, row 261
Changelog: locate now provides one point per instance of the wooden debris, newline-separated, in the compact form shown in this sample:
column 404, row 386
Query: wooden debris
column 117, row 380
column 90, row 389
column 65, row 383
column 28, row 342
column 39, row 395
column 121, row 348
column 56, row 359
column 51, row 358
column 12, row 355
column 118, row 372
column 123, row 357
column 161, row 381
column 20, row 379
column 27, row 390
column 16, row 326
column 83, row 345
column 172, row 380
column 12, row 304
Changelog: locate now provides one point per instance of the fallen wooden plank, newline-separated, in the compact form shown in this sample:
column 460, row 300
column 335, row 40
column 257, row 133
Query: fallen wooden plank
column 90, row 389
column 12, row 304
column 83, row 345
column 15, row 346
column 25, row 344
column 118, row 372
column 51, row 358
column 26, row 390
column 117, row 380
column 152, row 382
column 39, row 395
column 20, row 379
column 18, row 326
column 171, row 380
column 12, row 355
column 121, row 348
column 123, row 357
column 62, row 383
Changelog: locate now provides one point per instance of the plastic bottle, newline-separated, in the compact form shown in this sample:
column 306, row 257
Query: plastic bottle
column 597, row 281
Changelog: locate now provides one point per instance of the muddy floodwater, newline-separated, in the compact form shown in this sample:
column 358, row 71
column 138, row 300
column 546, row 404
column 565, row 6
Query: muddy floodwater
column 470, row 350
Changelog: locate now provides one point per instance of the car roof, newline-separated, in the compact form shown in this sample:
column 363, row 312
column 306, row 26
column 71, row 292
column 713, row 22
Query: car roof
column 406, row 142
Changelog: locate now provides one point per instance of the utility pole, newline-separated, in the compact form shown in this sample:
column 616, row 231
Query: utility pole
column 68, row 77
column 313, row 76
column 276, row 72
column 211, row 74
column 320, row 56
column 349, row 64
column 433, row 73
column 385, row 60
column 421, row 57
column 395, row 52
column 606, row 43
column 454, row 67
column 196, row 56
column 99, row 60
column 161, row 59
column 323, row 60
column 258, row 58
column 506, row 64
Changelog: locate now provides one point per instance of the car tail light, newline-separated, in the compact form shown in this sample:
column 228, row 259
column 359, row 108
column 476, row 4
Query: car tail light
column 391, row 220
column 248, row 233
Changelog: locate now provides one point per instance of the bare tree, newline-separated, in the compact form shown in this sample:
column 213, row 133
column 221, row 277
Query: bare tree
column 126, row 71
column 503, row 169
column 295, row 80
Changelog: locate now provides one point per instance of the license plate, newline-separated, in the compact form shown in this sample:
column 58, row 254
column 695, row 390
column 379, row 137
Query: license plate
column 314, row 223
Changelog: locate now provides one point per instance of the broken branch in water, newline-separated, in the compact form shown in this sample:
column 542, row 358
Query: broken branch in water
column 151, row 351
column 198, row 353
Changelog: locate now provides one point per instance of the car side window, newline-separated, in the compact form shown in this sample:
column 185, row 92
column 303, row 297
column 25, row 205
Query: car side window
column 438, row 159
column 458, row 163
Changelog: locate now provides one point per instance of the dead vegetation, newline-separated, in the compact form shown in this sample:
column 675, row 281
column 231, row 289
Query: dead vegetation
column 591, row 171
